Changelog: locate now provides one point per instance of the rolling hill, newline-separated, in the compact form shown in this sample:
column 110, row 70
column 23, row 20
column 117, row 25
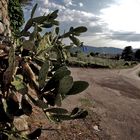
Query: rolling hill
column 102, row 50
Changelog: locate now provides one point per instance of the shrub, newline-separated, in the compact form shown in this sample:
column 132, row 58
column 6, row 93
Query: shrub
column 92, row 54
column 126, row 64
column 16, row 15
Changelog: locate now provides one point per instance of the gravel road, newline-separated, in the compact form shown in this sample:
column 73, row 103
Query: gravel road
column 116, row 98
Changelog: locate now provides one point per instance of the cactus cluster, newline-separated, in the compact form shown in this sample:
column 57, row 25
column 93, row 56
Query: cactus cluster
column 29, row 64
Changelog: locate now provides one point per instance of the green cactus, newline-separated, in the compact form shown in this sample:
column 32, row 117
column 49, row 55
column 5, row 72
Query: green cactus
column 31, row 65
column 78, row 87
column 57, row 110
column 61, row 72
column 80, row 29
column 33, row 10
column 43, row 74
column 75, row 40
column 18, row 83
column 65, row 84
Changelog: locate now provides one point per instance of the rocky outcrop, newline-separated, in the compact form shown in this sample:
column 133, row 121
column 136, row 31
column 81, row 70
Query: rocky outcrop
column 4, row 19
column 5, row 32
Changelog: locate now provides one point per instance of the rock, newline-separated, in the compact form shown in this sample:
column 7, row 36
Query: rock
column 4, row 19
column 21, row 124
column 1, row 28
column 96, row 128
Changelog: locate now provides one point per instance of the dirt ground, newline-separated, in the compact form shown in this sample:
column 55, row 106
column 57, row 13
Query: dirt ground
column 113, row 102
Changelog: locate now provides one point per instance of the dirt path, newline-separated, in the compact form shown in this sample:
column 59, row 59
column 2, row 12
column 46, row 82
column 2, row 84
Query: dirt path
column 113, row 102
column 115, row 95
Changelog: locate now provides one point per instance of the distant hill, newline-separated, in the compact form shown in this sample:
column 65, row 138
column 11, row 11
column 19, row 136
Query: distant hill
column 101, row 50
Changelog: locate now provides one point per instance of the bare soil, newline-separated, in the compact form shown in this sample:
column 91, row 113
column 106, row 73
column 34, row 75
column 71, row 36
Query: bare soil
column 113, row 102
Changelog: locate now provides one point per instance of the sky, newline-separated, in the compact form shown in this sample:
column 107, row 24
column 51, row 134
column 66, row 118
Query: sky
column 110, row 23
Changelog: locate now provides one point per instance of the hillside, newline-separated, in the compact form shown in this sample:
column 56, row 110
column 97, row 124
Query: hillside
column 102, row 50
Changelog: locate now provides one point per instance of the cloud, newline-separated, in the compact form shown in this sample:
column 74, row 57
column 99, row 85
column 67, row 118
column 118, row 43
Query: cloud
column 68, row 2
column 81, row 4
column 55, row 6
column 122, row 16
column 67, row 15
column 100, row 40
column 70, row 15
column 80, row 18
column 88, row 13
column 77, row 16
column 125, row 36
column 95, row 5
column 45, row 2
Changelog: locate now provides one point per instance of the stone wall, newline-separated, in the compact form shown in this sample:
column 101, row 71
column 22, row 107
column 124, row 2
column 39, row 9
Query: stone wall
column 4, row 19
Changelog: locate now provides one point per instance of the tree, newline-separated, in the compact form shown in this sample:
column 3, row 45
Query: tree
column 127, row 53
column 137, row 54
column 28, row 63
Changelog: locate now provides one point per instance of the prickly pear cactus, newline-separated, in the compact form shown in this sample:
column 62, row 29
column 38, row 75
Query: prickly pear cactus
column 30, row 64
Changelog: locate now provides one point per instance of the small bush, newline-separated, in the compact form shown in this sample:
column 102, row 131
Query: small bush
column 126, row 64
